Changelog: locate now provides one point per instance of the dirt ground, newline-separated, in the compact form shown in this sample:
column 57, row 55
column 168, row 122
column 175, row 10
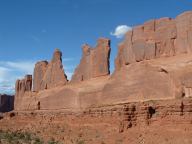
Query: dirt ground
column 120, row 124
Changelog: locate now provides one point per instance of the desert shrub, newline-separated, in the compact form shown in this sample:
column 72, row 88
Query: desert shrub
column 80, row 142
column 19, row 138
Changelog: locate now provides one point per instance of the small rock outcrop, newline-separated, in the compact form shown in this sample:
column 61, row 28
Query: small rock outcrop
column 6, row 103
column 46, row 76
column 94, row 62
column 23, row 85
column 163, row 37
column 49, row 75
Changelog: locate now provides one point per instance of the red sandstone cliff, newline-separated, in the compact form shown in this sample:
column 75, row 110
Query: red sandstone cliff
column 165, row 37
column 49, row 75
column 94, row 62
column 153, row 63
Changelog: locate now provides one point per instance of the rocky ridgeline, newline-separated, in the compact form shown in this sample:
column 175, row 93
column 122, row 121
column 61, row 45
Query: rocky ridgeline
column 94, row 63
column 153, row 63
column 164, row 37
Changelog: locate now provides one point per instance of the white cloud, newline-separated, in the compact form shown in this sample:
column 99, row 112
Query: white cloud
column 69, row 74
column 121, row 30
column 10, row 71
column 25, row 66
column 3, row 73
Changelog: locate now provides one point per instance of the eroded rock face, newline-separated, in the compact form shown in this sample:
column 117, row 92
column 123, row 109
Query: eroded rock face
column 39, row 73
column 154, row 62
column 49, row 75
column 184, row 32
column 23, row 85
column 6, row 103
column 156, row 38
column 46, row 76
column 94, row 62
column 55, row 75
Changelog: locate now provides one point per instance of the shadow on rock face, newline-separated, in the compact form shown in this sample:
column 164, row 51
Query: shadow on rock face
column 6, row 103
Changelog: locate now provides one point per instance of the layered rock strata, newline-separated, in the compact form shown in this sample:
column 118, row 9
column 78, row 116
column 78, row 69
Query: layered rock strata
column 165, row 121
column 153, row 63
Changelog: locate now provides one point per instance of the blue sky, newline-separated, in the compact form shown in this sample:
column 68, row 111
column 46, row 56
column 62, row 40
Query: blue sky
column 30, row 30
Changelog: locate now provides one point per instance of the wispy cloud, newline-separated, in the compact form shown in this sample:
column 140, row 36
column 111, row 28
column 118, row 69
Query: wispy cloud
column 10, row 71
column 67, row 59
column 35, row 38
column 25, row 66
column 121, row 30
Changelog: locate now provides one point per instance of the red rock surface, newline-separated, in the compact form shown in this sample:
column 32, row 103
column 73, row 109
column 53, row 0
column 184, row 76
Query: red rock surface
column 39, row 73
column 54, row 75
column 49, row 75
column 150, row 90
column 162, row 122
column 23, row 85
column 149, row 66
column 94, row 62
column 163, row 37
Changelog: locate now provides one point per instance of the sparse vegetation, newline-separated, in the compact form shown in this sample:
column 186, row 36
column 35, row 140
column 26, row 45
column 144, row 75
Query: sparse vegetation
column 80, row 142
column 52, row 141
column 8, row 137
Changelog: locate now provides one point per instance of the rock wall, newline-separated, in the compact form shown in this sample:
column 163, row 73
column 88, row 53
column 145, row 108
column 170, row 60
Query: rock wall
column 49, row 75
column 162, row 122
column 153, row 63
column 39, row 73
column 22, row 87
column 6, row 103
column 94, row 62
column 163, row 37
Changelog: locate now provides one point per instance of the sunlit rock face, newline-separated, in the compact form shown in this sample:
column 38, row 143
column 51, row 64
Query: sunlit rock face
column 153, row 63
column 49, row 74
column 163, row 37
column 94, row 62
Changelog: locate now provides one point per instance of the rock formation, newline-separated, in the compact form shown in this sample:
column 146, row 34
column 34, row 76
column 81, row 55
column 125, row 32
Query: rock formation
column 39, row 73
column 94, row 62
column 6, row 103
column 150, row 91
column 23, row 85
column 21, row 88
column 153, row 63
column 163, row 37
column 49, row 75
